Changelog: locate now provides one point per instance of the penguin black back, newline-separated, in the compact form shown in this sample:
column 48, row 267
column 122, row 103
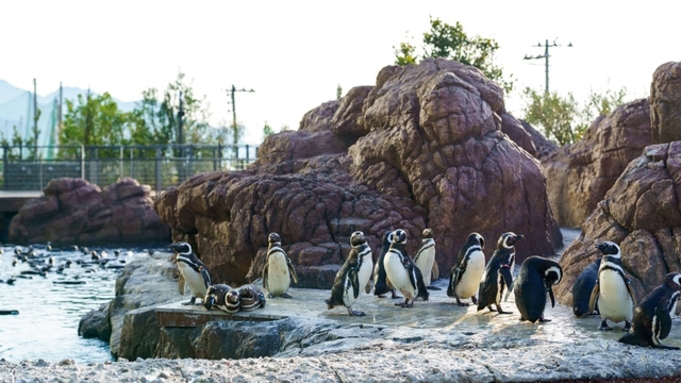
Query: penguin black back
column 584, row 285
column 535, row 279
column 380, row 279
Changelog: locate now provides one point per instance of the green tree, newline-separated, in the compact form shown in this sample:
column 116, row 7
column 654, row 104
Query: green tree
column 451, row 42
column 339, row 92
column 267, row 130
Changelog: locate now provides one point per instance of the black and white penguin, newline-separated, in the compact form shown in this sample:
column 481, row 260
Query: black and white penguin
column 354, row 276
column 464, row 279
column 536, row 278
column 613, row 291
column 251, row 297
column 581, row 290
column 425, row 259
column 278, row 270
column 402, row 271
column 223, row 297
column 193, row 272
column 382, row 284
column 498, row 274
column 652, row 317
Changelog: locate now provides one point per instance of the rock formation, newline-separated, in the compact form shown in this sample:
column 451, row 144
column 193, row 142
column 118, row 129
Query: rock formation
column 643, row 215
column 579, row 175
column 423, row 147
column 665, row 103
column 73, row 211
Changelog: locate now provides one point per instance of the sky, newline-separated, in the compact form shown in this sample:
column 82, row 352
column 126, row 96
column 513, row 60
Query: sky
column 294, row 54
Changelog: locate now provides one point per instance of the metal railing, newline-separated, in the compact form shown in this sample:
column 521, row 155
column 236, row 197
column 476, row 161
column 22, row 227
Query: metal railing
column 160, row 166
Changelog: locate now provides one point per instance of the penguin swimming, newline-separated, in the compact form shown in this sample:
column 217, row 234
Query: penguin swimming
column 193, row 272
column 278, row 270
column 464, row 279
column 251, row 297
column 613, row 291
column 382, row 284
column 353, row 276
column 652, row 317
column 581, row 290
column 498, row 273
column 224, row 297
column 402, row 272
column 425, row 259
column 536, row 278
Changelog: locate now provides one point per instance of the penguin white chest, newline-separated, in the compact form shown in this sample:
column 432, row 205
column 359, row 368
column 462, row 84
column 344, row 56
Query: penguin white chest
column 614, row 301
column 278, row 278
column 425, row 264
column 398, row 275
column 363, row 275
column 193, row 280
column 469, row 282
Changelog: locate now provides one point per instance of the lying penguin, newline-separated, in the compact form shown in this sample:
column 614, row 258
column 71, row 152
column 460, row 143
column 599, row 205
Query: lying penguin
column 536, row 278
column 223, row 297
column 251, row 297
column 353, row 277
column 498, row 273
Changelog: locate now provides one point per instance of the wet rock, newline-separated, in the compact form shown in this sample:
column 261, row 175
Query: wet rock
column 665, row 103
column 95, row 324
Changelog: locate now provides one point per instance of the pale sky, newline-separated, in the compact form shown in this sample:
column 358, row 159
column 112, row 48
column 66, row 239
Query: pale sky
column 295, row 53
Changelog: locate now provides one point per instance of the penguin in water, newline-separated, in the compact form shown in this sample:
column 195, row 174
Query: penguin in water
column 193, row 272
column 652, row 317
column 425, row 259
column 251, row 297
column 536, row 278
column 581, row 290
column 278, row 270
column 498, row 273
column 223, row 297
column 613, row 291
column 382, row 284
column 402, row 271
column 353, row 276
column 464, row 279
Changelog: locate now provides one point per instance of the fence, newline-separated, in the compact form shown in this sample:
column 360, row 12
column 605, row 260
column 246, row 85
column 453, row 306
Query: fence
column 160, row 166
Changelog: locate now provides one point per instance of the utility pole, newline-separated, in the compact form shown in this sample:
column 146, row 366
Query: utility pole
column 545, row 56
column 235, row 129
column 59, row 111
column 180, row 122
column 35, row 119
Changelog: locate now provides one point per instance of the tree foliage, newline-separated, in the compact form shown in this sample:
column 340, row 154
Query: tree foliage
column 451, row 42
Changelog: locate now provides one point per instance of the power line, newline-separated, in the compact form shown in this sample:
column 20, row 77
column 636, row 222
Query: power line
column 545, row 56
column 234, row 126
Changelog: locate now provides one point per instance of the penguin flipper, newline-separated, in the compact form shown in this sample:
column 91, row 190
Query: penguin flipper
column 264, row 276
column 594, row 297
column 453, row 280
column 665, row 321
column 367, row 289
column 553, row 300
column 180, row 285
column 631, row 293
column 436, row 271
column 505, row 273
column 292, row 270
column 206, row 276
column 354, row 280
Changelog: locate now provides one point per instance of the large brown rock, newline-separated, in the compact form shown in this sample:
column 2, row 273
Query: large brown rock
column 642, row 213
column 665, row 103
column 426, row 148
column 579, row 175
column 73, row 211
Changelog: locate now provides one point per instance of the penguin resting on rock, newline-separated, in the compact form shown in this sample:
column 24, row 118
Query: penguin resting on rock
column 613, row 291
column 224, row 297
column 536, row 278
column 581, row 290
column 353, row 276
column 464, row 278
column 251, row 297
column 193, row 273
column 498, row 273
column 425, row 259
column 652, row 317
column 382, row 284
column 278, row 270
column 402, row 271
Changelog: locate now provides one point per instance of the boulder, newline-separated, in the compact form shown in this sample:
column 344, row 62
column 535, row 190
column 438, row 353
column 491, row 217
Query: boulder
column 95, row 324
column 579, row 175
column 73, row 211
column 543, row 146
column 642, row 213
column 426, row 148
column 665, row 103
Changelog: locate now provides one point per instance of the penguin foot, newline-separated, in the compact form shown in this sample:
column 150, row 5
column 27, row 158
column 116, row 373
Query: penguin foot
column 474, row 300
column 604, row 326
column 434, row 288
column 505, row 312
column 286, row 295
column 462, row 304
column 542, row 319
column 406, row 303
column 270, row 296
column 356, row 313
column 627, row 326
column 191, row 302
column 666, row 347
column 491, row 309
column 394, row 295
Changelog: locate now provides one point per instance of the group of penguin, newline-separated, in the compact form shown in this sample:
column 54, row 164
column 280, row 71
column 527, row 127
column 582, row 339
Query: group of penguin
column 602, row 287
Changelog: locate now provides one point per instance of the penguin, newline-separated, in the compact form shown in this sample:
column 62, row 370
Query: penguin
column 425, row 259
column 353, row 276
column 402, row 272
column 464, row 279
column 224, row 297
column 278, row 270
column 613, row 291
column 536, row 278
column 652, row 317
column 193, row 272
column 382, row 284
column 581, row 290
column 251, row 297
column 498, row 273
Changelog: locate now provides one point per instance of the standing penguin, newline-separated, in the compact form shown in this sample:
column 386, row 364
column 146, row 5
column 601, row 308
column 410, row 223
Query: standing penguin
column 224, row 297
column 251, row 297
column 382, row 284
column 278, row 270
column 464, row 279
column 536, row 277
column 402, row 271
column 652, row 317
column 613, row 290
column 425, row 259
column 353, row 276
column 498, row 273
column 581, row 290
column 193, row 272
